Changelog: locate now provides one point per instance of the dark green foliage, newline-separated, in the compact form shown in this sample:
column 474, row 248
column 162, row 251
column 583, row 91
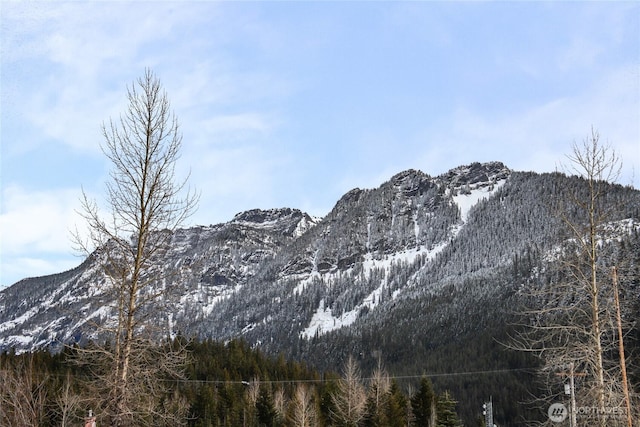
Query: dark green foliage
column 446, row 411
column 396, row 407
column 423, row 403
column 265, row 411
column 216, row 388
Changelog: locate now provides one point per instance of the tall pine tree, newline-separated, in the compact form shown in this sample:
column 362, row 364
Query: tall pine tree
column 423, row 404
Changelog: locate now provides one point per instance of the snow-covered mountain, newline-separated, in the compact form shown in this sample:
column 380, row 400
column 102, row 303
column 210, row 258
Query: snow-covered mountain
column 414, row 264
column 207, row 265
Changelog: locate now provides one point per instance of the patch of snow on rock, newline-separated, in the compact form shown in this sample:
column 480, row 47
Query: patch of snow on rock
column 467, row 201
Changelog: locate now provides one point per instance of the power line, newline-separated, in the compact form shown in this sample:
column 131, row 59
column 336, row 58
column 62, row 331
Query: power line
column 324, row 380
column 319, row 380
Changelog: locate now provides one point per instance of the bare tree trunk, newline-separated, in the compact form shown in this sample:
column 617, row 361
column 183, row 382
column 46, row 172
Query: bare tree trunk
column 146, row 206
column 598, row 164
column 595, row 305
column 572, row 319
column 623, row 363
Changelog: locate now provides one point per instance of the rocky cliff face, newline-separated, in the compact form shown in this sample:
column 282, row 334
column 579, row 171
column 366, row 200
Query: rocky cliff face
column 415, row 262
column 205, row 265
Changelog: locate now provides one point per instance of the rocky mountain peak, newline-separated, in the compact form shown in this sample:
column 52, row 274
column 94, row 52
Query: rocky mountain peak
column 260, row 216
column 475, row 173
column 410, row 259
column 349, row 198
column 411, row 182
column 407, row 176
column 284, row 220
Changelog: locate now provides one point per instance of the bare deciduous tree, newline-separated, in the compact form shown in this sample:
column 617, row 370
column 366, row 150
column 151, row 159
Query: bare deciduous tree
column 302, row 410
column 23, row 395
column 378, row 393
column 572, row 320
column 349, row 401
column 69, row 404
column 145, row 204
column 280, row 402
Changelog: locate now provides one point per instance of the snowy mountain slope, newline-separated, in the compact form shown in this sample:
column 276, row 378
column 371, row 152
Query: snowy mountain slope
column 398, row 264
column 469, row 290
column 348, row 264
column 207, row 264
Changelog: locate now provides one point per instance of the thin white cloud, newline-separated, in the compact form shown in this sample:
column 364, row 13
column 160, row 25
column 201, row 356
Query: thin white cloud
column 38, row 221
column 81, row 57
column 235, row 178
column 36, row 229
column 538, row 138
column 273, row 111
column 232, row 127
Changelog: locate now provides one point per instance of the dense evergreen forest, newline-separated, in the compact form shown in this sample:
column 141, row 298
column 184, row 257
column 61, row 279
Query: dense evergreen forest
column 231, row 385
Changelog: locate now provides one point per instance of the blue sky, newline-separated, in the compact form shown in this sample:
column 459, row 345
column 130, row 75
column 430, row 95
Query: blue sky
column 292, row 104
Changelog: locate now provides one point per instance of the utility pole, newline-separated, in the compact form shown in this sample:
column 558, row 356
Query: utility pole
column 573, row 395
column 487, row 411
column 572, row 391
column 623, row 364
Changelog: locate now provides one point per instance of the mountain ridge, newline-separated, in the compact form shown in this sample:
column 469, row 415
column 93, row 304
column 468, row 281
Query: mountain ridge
column 425, row 273
column 275, row 276
column 263, row 231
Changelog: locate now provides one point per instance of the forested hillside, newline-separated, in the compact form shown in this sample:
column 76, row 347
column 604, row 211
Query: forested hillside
column 427, row 275
column 226, row 385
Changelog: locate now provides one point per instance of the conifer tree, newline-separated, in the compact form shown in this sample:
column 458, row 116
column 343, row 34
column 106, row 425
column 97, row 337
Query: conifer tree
column 265, row 410
column 446, row 411
column 396, row 407
column 423, row 404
